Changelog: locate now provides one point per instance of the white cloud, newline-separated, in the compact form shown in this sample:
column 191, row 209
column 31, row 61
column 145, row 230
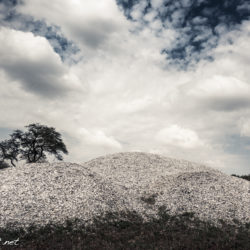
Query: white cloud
column 150, row 16
column 137, row 11
column 98, row 137
column 178, row 136
column 90, row 24
column 30, row 61
column 244, row 126
column 221, row 86
column 221, row 93
column 134, row 106
column 157, row 3
column 122, row 93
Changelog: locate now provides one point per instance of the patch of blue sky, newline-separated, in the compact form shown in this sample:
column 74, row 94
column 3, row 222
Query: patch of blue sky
column 199, row 24
column 9, row 17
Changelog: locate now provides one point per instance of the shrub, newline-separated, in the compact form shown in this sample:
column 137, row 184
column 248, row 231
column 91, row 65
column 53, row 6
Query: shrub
column 4, row 164
column 245, row 177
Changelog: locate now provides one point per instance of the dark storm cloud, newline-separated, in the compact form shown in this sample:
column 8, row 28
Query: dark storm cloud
column 9, row 17
column 228, row 104
column 94, row 37
column 38, row 76
column 127, row 6
column 199, row 23
column 10, row 3
column 41, row 78
column 7, row 8
column 39, row 81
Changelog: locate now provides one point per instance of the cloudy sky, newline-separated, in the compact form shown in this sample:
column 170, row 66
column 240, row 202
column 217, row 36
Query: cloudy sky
column 161, row 76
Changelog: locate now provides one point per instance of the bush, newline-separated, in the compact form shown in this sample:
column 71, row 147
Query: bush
column 4, row 164
column 245, row 177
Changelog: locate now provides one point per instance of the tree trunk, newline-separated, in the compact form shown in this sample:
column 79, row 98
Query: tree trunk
column 12, row 163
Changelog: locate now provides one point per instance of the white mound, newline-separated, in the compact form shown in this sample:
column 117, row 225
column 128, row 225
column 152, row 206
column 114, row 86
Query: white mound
column 39, row 193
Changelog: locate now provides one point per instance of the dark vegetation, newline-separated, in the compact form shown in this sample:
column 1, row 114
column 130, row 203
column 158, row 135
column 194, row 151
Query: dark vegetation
column 4, row 165
column 150, row 200
column 246, row 177
column 32, row 145
column 127, row 230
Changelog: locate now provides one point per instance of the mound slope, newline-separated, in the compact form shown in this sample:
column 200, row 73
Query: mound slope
column 39, row 193
column 148, row 181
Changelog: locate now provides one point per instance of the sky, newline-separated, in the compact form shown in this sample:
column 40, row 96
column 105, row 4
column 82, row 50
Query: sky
column 161, row 76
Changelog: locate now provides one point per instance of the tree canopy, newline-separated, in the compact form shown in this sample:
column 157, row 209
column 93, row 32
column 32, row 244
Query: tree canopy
column 33, row 145
column 9, row 150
